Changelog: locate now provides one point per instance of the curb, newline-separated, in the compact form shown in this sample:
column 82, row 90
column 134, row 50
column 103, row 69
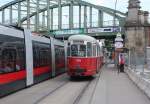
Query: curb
column 142, row 83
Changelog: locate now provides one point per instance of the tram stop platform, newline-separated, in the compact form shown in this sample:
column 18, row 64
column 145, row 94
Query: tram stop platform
column 117, row 88
column 109, row 88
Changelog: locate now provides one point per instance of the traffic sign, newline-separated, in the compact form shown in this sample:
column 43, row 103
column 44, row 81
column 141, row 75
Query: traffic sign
column 118, row 45
column 118, row 41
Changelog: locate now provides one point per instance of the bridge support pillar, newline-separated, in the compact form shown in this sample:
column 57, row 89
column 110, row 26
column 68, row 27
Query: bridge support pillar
column 48, row 15
column 3, row 16
column 52, row 19
column 19, row 14
column 136, row 34
column 10, row 15
column 90, row 15
column 85, row 16
column 28, row 14
column 37, row 17
column 59, row 15
column 71, row 15
column 79, row 16
column 100, row 18
column 43, row 20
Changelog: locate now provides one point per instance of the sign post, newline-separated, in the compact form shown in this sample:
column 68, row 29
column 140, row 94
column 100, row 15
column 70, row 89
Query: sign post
column 118, row 41
column 118, row 46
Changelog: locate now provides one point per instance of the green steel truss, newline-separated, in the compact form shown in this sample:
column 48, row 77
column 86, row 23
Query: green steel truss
column 38, row 15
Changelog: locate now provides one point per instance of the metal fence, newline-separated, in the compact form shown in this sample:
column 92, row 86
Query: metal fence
column 144, row 68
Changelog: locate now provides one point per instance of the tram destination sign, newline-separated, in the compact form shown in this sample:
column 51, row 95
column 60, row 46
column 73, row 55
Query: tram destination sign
column 67, row 32
column 78, row 41
column 103, row 30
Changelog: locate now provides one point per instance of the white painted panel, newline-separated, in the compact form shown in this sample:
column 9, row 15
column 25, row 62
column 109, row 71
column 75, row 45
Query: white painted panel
column 40, row 39
column 53, row 56
column 29, row 57
column 58, row 42
column 10, row 31
column 82, row 38
column 66, row 45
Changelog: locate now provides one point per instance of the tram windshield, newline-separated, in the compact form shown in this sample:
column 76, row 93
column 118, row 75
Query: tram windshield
column 82, row 51
column 78, row 50
column 74, row 50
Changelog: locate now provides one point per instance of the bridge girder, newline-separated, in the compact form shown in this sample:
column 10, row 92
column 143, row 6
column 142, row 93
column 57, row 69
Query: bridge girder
column 79, row 1
column 54, row 4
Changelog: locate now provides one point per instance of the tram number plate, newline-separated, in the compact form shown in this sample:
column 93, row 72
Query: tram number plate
column 78, row 74
column 79, row 70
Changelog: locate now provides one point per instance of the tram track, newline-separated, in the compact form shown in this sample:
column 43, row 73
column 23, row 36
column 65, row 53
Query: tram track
column 53, row 91
column 68, row 93
column 77, row 100
column 62, row 91
column 97, row 80
column 76, row 87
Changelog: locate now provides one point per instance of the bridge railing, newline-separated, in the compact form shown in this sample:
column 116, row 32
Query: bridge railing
column 75, row 25
column 94, row 24
column 111, row 23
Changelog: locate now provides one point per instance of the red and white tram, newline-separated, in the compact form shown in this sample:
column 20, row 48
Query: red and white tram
column 26, row 59
column 84, row 56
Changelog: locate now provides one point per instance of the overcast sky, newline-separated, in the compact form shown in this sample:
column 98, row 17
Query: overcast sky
column 121, row 5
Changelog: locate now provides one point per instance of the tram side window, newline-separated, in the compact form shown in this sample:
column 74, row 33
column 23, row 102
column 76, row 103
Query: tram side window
column 12, row 54
column 68, row 51
column 45, row 57
column 56, row 54
column 74, row 50
column 89, row 49
column 41, row 54
column 20, row 61
column 82, row 50
column 59, row 55
column 94, row 50
column 62, row 54
column 98, row 51
column 0, row 61
column 8, row 61
column 35, row 55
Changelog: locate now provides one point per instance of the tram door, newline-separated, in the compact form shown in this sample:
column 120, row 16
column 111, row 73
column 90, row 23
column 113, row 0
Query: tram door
column 59, row 59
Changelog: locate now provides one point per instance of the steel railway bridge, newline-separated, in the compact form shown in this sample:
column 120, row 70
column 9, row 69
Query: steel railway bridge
column 63, row 17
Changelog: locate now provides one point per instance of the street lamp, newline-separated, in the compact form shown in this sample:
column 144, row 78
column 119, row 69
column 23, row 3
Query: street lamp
column 116, row 1
column 114, row 24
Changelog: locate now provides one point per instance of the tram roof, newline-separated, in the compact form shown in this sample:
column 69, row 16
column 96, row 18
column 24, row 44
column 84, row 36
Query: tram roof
column 82, row 38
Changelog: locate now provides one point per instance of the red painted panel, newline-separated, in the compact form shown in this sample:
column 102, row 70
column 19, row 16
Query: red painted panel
column 10, row 77
column 60, row 65
column 89, row 64
column 41, row 70
column 83, row 62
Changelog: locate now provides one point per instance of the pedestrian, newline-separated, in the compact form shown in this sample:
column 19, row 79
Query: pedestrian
column 121, row 62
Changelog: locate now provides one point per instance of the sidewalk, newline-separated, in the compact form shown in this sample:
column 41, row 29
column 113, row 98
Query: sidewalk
column 114, row 88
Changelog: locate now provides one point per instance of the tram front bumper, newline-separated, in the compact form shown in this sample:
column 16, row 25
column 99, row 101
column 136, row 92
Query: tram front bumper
column 81, row 72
